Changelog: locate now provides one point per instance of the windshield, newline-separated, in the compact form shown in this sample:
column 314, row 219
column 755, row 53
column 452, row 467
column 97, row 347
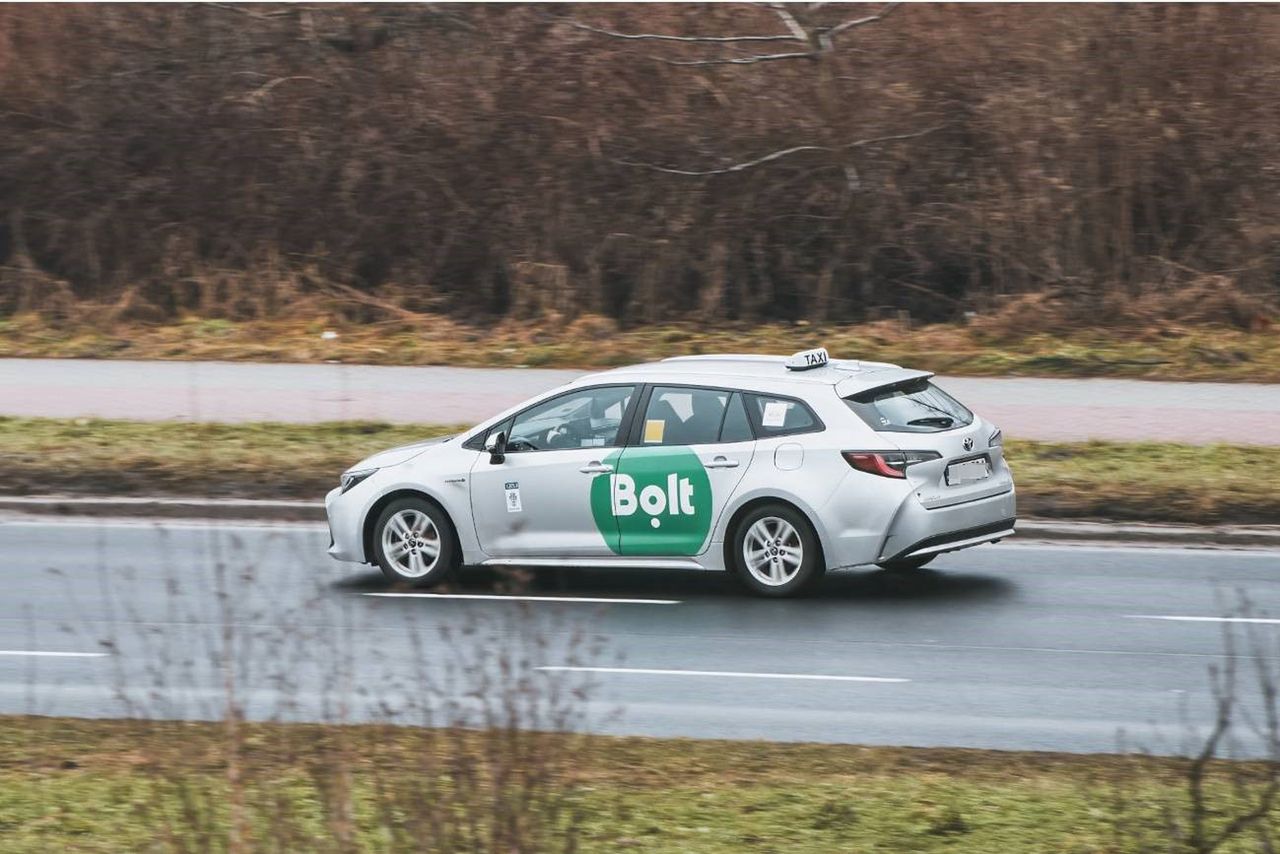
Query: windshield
column 915, row 406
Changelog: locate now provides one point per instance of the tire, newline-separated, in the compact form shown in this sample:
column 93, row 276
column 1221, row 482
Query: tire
column 432, row 551
column 906, row 564
column 776, row 552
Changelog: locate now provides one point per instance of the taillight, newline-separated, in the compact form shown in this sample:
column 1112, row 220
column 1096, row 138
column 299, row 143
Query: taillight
column 887, row 463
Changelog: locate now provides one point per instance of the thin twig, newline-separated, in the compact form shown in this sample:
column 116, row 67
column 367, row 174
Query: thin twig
column 670, row 38
column 777, row 155
column 859, row 22
column 798, row 32
column 745, row 60
column 737, row 167
column 862, row 143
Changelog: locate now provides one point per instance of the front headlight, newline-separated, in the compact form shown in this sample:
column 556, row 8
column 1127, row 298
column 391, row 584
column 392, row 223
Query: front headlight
column 351, row 478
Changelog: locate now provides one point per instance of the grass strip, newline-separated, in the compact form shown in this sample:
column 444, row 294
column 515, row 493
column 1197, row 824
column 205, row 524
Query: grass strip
column 1155, row 482
column 1204, row 352
column 80, row 785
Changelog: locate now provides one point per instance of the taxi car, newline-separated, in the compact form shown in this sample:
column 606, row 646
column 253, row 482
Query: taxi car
column 773, row 468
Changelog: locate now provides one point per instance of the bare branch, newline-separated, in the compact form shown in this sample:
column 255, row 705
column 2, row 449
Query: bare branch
column 781, row 37
column 863, row 143
column 777, row 155
column 743, row 60
column 819, row 39
column 737, row 167
column 859, row 22
column 793, row 26
column 261, row 16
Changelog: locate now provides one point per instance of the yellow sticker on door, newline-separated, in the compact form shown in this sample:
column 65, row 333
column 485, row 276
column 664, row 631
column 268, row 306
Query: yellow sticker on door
column 653, row 430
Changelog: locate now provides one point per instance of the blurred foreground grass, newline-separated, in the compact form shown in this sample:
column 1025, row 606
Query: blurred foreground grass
column 1156, row 482
column 79, row 785
column 1158, row 351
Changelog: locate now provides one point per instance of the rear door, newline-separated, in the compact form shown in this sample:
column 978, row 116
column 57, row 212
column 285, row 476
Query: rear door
column 917, row 415
column 689, row 450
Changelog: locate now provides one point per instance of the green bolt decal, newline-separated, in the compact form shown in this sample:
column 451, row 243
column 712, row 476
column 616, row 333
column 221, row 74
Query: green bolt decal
column 657, row 502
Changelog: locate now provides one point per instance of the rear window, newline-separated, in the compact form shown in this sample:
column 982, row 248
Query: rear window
column 915, row 406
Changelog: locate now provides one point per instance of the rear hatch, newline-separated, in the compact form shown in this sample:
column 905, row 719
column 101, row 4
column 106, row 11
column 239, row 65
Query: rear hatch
column 960, row 456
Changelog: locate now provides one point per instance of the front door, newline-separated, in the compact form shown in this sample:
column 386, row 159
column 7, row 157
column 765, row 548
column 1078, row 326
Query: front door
column 691, row 449
column 538, row 501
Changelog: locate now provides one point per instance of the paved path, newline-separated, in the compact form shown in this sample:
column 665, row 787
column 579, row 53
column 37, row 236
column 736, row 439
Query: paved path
column 1049, row 409
column 1007, row 646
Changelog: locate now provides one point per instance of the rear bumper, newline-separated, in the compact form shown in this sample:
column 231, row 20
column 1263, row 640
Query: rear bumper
column 917, row 531
column 955, row 540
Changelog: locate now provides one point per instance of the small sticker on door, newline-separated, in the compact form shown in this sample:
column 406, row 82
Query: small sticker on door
column 653, row 430
column 775, row 413
column 513, row 498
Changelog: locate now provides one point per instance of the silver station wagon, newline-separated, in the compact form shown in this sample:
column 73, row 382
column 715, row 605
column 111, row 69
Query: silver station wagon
column 773, row 468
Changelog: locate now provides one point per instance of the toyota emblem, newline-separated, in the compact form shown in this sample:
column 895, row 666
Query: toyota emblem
column 968, row 444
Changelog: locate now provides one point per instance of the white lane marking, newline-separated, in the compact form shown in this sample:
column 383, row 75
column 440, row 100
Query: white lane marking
column 1034, row 544
column 156, row 522
column 39, row 653
column 501, row 598
column 1265, row 621
column 645, row 671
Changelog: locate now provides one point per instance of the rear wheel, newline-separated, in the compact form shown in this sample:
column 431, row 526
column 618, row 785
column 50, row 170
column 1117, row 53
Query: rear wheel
column 775, row 552
column 414, row 543
column 906, row 564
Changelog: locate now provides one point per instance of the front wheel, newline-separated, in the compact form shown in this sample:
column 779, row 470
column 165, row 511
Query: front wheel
column 775, row 552
column 414, row 543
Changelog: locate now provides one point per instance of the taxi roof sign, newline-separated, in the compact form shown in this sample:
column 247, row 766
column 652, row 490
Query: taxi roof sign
column 807, row 360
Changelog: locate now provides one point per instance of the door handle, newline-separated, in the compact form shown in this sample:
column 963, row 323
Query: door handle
column 722, row 463
column 596, row 468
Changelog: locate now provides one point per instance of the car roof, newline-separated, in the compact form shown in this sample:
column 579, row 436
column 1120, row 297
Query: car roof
column 766, row 373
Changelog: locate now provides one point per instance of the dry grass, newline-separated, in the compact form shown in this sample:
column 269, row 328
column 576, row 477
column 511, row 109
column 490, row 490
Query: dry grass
column 995, row 345
column 1155, row 482
column 74, row 785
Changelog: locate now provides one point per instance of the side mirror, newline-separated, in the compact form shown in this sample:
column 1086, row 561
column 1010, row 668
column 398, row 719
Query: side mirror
column 496, row 445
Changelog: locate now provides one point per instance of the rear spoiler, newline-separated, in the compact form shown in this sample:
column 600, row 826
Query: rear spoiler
column 874, row 382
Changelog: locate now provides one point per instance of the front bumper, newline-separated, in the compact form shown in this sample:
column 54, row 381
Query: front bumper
column 917, row 531
column 346, row 531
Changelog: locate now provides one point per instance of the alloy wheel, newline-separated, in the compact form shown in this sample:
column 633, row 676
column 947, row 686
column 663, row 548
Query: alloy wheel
column 772, row 551
column 411, row 543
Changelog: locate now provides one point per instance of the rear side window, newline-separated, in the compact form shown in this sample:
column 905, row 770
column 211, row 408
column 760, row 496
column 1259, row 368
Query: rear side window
column 683, row 416
column 915, row 406
column 780, row 416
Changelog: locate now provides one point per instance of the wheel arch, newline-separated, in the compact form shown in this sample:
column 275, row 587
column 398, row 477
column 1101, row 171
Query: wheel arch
column 375, row 510
column 731, row 528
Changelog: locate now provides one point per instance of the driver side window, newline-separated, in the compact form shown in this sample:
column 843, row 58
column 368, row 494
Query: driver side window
column 588, row 418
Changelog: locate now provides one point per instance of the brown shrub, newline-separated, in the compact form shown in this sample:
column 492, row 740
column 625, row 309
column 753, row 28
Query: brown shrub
column 491, row 160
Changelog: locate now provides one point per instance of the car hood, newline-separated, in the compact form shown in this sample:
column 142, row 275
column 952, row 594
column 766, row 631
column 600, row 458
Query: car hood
column 396, row 456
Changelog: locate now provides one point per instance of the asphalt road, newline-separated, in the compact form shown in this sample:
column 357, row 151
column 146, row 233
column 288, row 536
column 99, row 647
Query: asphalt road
column 1026, row 646
column 1047, row 409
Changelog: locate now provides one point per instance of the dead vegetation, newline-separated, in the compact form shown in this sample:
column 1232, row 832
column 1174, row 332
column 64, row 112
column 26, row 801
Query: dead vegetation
column 1046, row 167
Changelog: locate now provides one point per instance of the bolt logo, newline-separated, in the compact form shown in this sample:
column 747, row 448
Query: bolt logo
column 657, row 502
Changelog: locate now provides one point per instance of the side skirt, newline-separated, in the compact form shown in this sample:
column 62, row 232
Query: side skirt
column 598, row 562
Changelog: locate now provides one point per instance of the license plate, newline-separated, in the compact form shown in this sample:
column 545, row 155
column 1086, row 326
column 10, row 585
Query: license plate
column 968, row 471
